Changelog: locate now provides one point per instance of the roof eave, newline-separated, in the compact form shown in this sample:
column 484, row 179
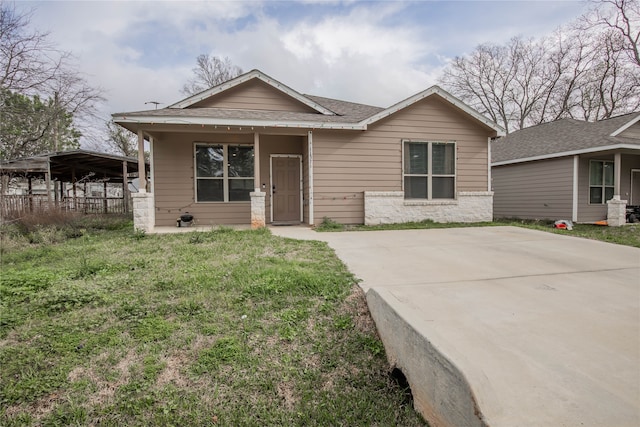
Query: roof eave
column 626, row 126
column 567, row 153
column 203, row 121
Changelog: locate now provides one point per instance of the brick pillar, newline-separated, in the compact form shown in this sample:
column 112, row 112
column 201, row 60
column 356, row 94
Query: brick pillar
column 258, row 209
column 616, row 212
column 144, row 216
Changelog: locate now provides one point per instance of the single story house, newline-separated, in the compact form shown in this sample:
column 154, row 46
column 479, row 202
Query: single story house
column 254, row 151
column 569, row 169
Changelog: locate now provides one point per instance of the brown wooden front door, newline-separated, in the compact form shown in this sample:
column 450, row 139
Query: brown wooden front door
column 285, row 187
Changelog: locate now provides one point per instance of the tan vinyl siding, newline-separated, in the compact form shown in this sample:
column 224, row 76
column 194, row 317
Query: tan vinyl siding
column 254, row 95
column 348, row 163
column 174, row 182
column 275, row 144
column 534, row 190
column 629, row 162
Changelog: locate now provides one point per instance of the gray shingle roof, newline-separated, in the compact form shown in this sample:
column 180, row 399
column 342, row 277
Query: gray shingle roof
column 561, row 136
column 347, row 112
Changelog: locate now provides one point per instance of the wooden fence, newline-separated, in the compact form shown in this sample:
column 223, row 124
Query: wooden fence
column 13, row 206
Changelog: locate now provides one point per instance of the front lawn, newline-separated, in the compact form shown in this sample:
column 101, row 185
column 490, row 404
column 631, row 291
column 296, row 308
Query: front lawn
column 226, row 328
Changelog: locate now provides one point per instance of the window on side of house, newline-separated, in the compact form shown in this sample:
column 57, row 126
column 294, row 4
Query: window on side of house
column 224, row 172
column 601, row 184
column 429, row 170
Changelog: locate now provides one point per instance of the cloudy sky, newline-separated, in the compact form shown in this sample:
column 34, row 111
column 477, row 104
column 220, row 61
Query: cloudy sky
column 375, row 52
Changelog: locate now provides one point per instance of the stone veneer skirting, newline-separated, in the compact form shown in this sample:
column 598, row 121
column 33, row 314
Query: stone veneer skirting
column 144, row 214
column 258, row 214
column 390, row 207
column 616, row 212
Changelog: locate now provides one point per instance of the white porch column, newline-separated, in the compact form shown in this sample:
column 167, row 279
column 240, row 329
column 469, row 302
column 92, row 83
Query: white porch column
column 258, row 205
column 574, row 203
column 142, row 170
column 617, row 165
column 310, row 164
column 256, row 162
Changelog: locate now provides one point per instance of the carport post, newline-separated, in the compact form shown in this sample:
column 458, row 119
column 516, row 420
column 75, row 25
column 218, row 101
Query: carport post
column 125, row 187
column 142, row 170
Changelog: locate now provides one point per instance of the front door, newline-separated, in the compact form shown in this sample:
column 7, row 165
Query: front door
column 635, row 187
column 286, row 187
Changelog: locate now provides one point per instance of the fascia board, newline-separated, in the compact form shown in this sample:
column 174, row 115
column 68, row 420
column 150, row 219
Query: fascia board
column 568, row 153
column 238, row 122
column 626, row 126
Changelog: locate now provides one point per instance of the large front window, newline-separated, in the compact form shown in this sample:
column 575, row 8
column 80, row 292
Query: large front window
column 429, row 170
column 601, row 184
column 224, row 173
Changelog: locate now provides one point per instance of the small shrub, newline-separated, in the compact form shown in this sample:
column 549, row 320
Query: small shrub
column 330, row 225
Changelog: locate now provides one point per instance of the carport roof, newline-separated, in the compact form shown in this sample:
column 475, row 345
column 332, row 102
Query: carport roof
column 64, row 164
column 564, row 137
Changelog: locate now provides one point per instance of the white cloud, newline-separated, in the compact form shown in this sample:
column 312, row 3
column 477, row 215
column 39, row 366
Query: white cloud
column 370, row 52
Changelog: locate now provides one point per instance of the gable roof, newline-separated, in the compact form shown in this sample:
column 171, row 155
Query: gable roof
column 253, row 74
column 329, row 113
column 564, row 137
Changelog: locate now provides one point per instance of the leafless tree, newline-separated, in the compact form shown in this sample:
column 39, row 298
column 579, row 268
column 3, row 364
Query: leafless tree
column 32, row 66
column 586, row 72
column 622, row 17
column 121, row 141
column 210, row 71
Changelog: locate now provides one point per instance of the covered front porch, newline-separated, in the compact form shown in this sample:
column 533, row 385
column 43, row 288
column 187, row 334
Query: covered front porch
column 224, row 175
column 613, row 182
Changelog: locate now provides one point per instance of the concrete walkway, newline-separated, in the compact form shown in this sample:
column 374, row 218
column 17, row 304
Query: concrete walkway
column 504, row 326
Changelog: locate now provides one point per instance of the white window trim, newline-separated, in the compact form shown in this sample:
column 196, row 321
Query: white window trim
column 225, row 165
column 604, row 202
column 429, row 175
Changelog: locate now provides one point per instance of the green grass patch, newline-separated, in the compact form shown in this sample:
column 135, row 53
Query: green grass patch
column 628, row 235
column 225, row 327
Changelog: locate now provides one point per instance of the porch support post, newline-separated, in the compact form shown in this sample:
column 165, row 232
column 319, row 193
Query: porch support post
column 616, row 208
column 142, row 169
column 574, row 207
column 617, row 165
column 310, row 163
column 256, row 162
column 105, row 203
column 258, row 205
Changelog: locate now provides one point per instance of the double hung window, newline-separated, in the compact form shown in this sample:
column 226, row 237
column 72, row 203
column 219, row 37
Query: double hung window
column 429, row 170
column 224, row 172
column 601, row 185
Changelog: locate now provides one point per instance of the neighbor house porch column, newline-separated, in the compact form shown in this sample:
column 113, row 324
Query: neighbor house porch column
column 258, row 205
column 616, row 208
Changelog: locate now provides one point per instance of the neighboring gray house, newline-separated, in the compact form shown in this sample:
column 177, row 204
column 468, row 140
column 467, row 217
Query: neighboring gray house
column 568, row 169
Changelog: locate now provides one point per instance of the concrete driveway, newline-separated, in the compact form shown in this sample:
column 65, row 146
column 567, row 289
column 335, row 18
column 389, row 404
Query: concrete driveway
column 504, row 326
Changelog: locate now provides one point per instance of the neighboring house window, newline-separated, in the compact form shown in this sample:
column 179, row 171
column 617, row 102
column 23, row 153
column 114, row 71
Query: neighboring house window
column 429, row 170
column 224, row 173
column 600, row 181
